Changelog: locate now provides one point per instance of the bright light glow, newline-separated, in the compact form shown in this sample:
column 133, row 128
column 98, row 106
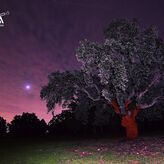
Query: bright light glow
column 28, row 87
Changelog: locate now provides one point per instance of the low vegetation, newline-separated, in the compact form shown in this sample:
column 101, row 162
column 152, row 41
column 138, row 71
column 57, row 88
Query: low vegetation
column 87, row 151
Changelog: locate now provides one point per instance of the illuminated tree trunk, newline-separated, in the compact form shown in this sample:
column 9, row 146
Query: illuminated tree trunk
column 131, row 127
column 128, row 120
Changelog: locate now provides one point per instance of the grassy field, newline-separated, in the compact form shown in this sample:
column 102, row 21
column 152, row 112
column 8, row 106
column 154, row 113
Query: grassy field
column 148, row 150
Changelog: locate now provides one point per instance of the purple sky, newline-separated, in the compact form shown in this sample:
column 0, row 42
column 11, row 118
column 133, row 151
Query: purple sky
column 40, row 36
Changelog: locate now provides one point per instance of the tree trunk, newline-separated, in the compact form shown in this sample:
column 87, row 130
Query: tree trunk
column 131, row 127
column 128, row 120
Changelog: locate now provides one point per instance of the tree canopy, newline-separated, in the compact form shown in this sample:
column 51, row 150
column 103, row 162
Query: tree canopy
column 129, row 63
column 27, row 124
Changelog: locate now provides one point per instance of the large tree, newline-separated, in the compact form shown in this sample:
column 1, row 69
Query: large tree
column 125, row 71
column 130, row 66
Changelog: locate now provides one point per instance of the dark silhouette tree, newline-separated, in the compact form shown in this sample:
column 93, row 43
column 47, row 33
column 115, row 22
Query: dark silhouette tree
column 70, row 90
column 130, row 66
column 151, row 119
column 64, row 124
column 27, row 124
column 3, row 126
column 76, row 121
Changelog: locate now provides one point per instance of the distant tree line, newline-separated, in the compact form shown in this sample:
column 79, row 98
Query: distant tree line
column 95, row 121
column 24, row 125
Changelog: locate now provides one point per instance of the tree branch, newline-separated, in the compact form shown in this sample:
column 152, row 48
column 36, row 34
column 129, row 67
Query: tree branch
column 115, row 106
column 92, row 98
column 121, row 103
column 88, row 94
column 144, row 106
column 156, row 78
column 131, row 94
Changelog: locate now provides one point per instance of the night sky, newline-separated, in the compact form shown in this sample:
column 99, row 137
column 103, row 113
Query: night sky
column 40, row 36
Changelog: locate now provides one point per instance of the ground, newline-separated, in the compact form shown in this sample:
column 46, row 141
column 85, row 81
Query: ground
column 148, row 150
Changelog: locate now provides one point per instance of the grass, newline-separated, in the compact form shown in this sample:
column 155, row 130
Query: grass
column 48, row 151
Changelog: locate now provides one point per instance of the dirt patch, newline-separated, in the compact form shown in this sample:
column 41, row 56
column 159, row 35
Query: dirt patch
column 144, row 146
